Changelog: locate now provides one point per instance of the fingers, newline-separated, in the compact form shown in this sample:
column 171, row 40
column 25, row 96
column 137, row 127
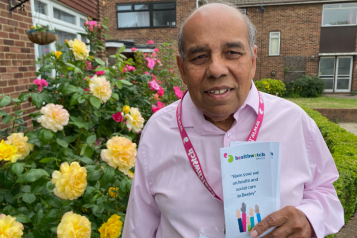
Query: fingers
column 248, row 220
column 251, row 213
column 256, row 209
column 273, row 220
column 238, row 214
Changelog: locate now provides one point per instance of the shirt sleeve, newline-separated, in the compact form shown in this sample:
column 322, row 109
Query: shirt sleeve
column 320, row 203
column 143, row 216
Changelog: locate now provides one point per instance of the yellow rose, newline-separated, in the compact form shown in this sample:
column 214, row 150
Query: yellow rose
column 8, row 152
column 54, row 117
column 112, row 228
column 134, row 120
column 130, row 174
column 74, row 226
column 58, row 54
column 120, row 154
column 113, row 192
column 79, row 49
column 20, row 141
column 32, row 27
column 126, row 109
column 10, row 228
column 70, row 182
column 100, row 87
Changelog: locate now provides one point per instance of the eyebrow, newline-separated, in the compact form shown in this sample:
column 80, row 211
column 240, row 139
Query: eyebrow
column 236, row 44
column 197, row 49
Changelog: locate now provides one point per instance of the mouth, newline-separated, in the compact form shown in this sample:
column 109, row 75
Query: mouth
column 219, row 92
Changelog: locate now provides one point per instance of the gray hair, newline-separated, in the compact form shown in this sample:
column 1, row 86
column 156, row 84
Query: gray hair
column 252, row 31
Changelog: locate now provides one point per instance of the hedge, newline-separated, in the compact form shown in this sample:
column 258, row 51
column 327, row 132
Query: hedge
column 343, row 147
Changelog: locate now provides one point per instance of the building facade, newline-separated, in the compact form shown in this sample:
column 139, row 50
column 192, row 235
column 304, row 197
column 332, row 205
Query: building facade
column 18, row 53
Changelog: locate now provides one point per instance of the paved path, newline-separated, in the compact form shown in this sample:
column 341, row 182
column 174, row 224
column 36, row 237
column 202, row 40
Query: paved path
column 349, row 230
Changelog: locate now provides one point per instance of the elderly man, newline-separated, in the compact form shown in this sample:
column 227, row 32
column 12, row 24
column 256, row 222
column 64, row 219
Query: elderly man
column 217, row 63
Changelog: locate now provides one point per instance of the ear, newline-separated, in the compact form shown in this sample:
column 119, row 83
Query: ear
column 254, row 61
column 181, row 67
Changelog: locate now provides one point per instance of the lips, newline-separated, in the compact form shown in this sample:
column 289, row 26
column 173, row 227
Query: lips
column 218, row 90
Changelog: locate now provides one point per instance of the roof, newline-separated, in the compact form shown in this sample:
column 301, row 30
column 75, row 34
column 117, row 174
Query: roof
column 277, row 2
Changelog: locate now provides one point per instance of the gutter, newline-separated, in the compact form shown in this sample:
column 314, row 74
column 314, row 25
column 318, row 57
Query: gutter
column 291, row 3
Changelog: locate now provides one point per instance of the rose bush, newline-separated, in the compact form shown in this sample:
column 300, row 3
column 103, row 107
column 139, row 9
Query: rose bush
column 69, row 175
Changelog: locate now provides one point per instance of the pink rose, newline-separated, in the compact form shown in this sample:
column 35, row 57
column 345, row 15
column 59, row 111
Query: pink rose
column 160, row 91
column 178, row 92
column 124, row 70
column 99, row 72
column 153, row 54
column 130, row 68
column 156, row 50
column 153, row 85
column 171, row 70
column 150, row 42
column 89, row 65
column 158, row 107
column 118, row 117
column 86, row 89
column 133, row 49
column 146, row 72
column 151, row 63
column 153, row 77
column 40, row 83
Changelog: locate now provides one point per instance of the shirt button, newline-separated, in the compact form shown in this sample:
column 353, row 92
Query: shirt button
column 229, row 135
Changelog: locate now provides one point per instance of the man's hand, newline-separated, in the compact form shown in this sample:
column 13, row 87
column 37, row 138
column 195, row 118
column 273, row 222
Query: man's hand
column 289, row 222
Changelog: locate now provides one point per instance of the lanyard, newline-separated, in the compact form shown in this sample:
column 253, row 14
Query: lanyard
column 191, row 153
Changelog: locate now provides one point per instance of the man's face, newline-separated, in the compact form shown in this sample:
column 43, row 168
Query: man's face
column 218, row 65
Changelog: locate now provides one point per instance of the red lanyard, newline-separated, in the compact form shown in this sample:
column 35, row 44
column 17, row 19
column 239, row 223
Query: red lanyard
column 191, row 153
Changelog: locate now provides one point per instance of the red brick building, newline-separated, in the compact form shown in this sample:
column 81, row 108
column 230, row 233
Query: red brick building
column 295, row 37
column 18, row 54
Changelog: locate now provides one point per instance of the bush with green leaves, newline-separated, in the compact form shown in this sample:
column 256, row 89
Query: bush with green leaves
column 79, row 157
column 306, row 86
column 272, row 86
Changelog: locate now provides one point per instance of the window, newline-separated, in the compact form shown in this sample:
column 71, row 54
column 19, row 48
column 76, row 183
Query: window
column 144, row 15
column 274, row 43
column 40, row 7
column 64, row 16
column 339, row 14
column 243, row 11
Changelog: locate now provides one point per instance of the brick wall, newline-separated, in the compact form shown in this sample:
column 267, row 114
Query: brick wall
column 141, row 36
column 89, row 7
column 17, row 57
column 342, row 115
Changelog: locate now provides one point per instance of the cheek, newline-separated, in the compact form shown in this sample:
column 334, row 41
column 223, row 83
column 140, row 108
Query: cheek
column 195, row 75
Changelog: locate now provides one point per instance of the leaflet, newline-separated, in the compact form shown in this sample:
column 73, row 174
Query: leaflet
column 251, row 184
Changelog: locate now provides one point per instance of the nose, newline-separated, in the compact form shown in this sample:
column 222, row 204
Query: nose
column 217, row 68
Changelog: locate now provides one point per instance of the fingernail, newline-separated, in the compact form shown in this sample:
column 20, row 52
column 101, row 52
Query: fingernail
column 254, row 234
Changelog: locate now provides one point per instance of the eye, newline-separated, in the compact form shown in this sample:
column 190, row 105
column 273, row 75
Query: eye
column 232, row 52
column 200, row 57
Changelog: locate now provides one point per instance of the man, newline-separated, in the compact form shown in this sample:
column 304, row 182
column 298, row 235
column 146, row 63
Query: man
column 217, row 63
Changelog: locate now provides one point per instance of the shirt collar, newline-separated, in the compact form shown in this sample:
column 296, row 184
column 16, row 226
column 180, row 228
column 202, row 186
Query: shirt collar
column 192, row 117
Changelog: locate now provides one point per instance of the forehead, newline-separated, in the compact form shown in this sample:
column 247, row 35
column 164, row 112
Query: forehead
column 214, row 26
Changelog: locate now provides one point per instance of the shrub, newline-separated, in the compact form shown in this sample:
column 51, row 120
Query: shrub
column 306, row 86
column 77, row 162
column 271, row 86
column 343, row 147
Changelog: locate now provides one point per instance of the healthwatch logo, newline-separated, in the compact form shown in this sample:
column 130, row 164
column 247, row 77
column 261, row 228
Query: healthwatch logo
column 246, row 156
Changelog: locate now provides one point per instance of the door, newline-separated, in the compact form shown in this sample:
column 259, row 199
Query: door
column 343, row 75
column 327, row 72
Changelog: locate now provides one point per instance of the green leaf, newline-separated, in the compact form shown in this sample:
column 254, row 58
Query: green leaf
column 101, row 68
column 19, row 195
column 78, row 121
column 115, row 96
column 17, row 168
column 37, row 100
column 32, row 175
column 108, row 175
column 51, row 216
column 6, row 119
column 19, row 121
column 5, row 101
column 22, row 218
column 74, row 99
column 30, row 235
column 62, row 143
column 91, row 139
column 70, row 89
column 54, row 201
column 24, row 96
column 126, row 82
column 86, row 160
column 50, row 186
column 29, row 198
column 39, row 185
column 83, row 150
column 99, row 61
column 54, row 229
column 3, row 113
column 119, row 84
column 70, row 139
column 95, row 102
column 89, row 152
column 7, row 179
column 19, row 113
column 46, row 135
column 121, row 49
column 37, row 217
column 47, row 160
column 94, row 175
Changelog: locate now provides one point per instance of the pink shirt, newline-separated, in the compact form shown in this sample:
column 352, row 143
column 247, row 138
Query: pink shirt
column 167, row 198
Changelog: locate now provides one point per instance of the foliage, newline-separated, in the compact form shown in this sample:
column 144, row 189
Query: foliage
column 306, row 86
column 41, row 28
column 343, row 147
column 78, row 158
column 271, row 86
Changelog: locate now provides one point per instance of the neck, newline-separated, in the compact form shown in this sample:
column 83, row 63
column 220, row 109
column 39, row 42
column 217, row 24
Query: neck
column 224, row 125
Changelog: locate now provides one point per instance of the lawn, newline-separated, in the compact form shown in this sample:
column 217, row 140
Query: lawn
column 325, row 102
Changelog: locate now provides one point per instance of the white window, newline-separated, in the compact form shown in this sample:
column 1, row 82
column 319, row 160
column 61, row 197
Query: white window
column 244, row 11
column 339, row 14
column 274, row 43
column 66, row 21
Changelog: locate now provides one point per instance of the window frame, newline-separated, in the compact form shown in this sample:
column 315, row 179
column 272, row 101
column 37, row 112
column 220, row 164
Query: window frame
column 274, row 37
column 340, row 4
column 150, row 10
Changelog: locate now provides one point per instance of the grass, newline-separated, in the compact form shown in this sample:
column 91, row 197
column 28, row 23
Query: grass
column 325, row 102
